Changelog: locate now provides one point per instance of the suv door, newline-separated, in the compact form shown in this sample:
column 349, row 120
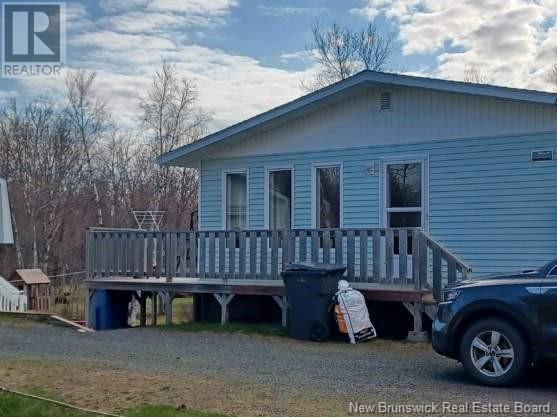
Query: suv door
column 548, row 314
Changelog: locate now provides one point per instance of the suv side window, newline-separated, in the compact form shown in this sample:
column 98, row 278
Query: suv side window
column 553, row 272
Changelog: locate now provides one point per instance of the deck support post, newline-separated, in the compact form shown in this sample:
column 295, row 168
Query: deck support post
column 282, row 302
column 143, row 309
column 417, row 334
column 167, row 297
column 154, row 298
column 87, row 307
column 224, row 300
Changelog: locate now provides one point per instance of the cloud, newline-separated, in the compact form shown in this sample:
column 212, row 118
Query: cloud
column 367, row 12
column 283, row 11
column 231, row 87
column 199, row 7
column 300, row 56
column 77, row 18
column 119, row 6
column 157, row 16
column 141, row 22
column 513, row 42
column 129, row 43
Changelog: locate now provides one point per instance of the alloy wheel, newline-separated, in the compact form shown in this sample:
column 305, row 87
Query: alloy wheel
column 492, row 353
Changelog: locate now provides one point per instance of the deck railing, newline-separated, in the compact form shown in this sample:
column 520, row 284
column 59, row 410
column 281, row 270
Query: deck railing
column 387, row 256
column 11, row 299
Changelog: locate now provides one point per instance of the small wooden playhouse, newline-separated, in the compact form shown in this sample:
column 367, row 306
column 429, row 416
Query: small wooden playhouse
column 36, row 285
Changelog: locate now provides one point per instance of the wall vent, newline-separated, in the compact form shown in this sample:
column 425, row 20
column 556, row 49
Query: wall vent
column 385, row 101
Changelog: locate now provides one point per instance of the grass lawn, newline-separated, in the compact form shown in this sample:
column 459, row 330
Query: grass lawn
column 16, row 406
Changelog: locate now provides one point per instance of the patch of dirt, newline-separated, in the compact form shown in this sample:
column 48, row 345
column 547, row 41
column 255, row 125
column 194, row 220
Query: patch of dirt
column 108, row 388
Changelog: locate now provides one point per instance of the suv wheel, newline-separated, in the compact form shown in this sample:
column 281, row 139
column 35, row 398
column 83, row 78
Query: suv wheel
column 494, row 352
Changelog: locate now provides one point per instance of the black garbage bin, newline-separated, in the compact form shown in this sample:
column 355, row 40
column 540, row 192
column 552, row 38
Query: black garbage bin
column 310, row 288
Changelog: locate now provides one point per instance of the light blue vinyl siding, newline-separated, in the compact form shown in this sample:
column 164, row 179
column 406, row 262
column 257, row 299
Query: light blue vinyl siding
column 488, row 203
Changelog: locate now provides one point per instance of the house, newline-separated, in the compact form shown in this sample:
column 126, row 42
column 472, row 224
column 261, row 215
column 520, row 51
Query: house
column 410, row 182
column 473, row 165
column 36, row 286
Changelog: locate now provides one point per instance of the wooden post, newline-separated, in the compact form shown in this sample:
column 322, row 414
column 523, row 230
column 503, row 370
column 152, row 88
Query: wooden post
column 423, row 254
column 143, row 309
column 418, row 334
column 168, row 297
column 418, row 317
column 88, row 295
column 283, row 304
column 437, row 278
column 224, row 300
column 154, row 311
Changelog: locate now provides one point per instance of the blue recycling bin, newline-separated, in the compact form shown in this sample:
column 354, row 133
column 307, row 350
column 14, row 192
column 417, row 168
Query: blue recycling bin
column 109, row 309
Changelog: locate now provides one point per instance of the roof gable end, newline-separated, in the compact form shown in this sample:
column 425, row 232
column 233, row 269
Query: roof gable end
column 187, row 154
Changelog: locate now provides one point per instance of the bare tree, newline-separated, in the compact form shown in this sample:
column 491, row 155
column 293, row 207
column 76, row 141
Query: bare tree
column 342, row 52
column 475, row 75
column 89, row 121
column 116, row 162
column 372, row 48
column 43, row 167
column 68, row 167
column 170, row 111
column 172, row 118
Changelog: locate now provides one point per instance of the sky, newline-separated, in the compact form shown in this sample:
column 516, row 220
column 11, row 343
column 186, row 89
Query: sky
column 247, row 56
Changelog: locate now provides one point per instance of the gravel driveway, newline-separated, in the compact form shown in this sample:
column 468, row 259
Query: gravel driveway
column 370, row 373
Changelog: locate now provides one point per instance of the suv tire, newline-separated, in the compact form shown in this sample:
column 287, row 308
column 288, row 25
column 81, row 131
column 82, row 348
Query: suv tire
column 494, row 352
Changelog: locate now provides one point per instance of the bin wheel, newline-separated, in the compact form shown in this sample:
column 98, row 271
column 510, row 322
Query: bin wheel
column 319, row 331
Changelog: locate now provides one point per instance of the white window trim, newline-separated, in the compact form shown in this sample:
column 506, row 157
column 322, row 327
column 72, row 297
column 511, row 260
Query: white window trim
column 268, row 170
column 223, row 194
column 405, row 159
column 314, row 168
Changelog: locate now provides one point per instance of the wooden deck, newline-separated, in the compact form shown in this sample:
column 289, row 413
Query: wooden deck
column 397, row 265
column 372, row 291
column 225, row 290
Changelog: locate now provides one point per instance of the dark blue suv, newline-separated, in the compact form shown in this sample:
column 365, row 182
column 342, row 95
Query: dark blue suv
column 497, row 326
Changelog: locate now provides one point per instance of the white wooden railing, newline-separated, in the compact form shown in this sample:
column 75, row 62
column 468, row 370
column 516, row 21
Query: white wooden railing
column 11, row 299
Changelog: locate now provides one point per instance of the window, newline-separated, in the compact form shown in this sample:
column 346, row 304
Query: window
column 553, row 273
column 280, row 199
column 236, row 201
column 404, row 194
column 327, row 188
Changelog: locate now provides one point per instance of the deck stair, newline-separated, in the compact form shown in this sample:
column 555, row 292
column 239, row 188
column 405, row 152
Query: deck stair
column 11, row 299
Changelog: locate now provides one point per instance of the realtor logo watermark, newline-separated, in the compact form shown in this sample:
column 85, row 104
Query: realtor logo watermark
column 33, row 39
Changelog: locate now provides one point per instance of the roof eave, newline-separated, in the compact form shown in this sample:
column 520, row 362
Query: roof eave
column 189, row 154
